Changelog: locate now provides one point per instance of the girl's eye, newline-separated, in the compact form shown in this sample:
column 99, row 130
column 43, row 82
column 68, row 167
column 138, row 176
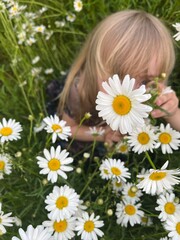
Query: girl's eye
column 145, row 82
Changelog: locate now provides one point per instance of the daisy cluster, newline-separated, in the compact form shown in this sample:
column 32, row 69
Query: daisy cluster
column 118, row 106
column 154, row 182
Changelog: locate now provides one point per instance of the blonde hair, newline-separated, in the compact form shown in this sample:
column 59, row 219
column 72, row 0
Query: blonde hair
column 123, row 43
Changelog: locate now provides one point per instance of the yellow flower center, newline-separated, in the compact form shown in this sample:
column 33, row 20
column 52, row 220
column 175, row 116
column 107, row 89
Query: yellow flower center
column 6, row 131
column 116, row 171
column 165, row 138
column 56, row 127
column 2, row 165
column 157, row 176
column 79, row 5
column 62, row 202
column 89, row 226
column 123, row 148
column 143, row 138
column 54, row 164
column 169, row 208
column 131, row 193
column 130, row 209
column 118, row 184
column 121, row 105
column 178, row 228
column 60, row 226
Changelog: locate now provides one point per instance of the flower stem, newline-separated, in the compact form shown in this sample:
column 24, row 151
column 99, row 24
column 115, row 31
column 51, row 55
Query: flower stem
column 80, row 124
column 150, row 160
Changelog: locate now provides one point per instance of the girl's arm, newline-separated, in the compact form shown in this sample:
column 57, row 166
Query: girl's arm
column 81, row 133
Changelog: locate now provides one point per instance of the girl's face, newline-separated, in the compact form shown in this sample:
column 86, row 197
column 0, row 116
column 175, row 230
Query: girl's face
column 146, row 80
column 152, row 73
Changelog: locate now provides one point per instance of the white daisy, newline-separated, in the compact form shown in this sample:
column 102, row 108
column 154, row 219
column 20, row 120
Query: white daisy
column 63, row 229
column 88, row 227
column 172, row 225
column 121, row 106
column 156, row 181
column 55, row 163
column 168, row 139
column 71, row 17
column 5, row 164
column 35, row 60
column 62, row 203
column 49, row 71
column 142, row 139
column 5, row 220
column 40, row 29
column 122, row 147
column 9, row 130
column 81, row 209
column 29, row 42
column 165, row 238
column 146, row 221
column 78, row 5
column 37, row 233
column 117, row 185
column 177, row 35
column 95, row 131
column 131, row 193
column 16, row 9
column 115, row 169
column 128, row 213
column 167, row 206
column 57, row 127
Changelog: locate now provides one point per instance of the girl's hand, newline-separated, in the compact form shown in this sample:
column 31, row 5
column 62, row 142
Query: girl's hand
column 111, row 136
column 168, row 101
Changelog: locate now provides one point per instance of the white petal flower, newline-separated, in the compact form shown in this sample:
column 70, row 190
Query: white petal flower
column 167, row 206
column 57, row 127
column 38, row 233
column 88, row 227
column 63, row 229
column 55, row 163
column 131, row 192
column 142, row 139
column 146, row 221
column 78, row 5
column 177, row 35
column 9, row 130
column 5, row 164
column 122, row 147
column 168, row 139
column 62, row 203
column 128, row 213
column 40, row 29
column 156, row 181
column 5, row 220
column 70, row 17
column 35, row 60
column 172, row 225
column 95, row 131
column 117, row 185
column 112, row 168
column 121, row 106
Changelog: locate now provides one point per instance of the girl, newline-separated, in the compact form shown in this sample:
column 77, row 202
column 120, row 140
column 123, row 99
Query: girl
column 127, row 42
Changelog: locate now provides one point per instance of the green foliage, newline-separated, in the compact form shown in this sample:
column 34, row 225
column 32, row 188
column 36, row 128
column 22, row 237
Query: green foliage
column 22, row 97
